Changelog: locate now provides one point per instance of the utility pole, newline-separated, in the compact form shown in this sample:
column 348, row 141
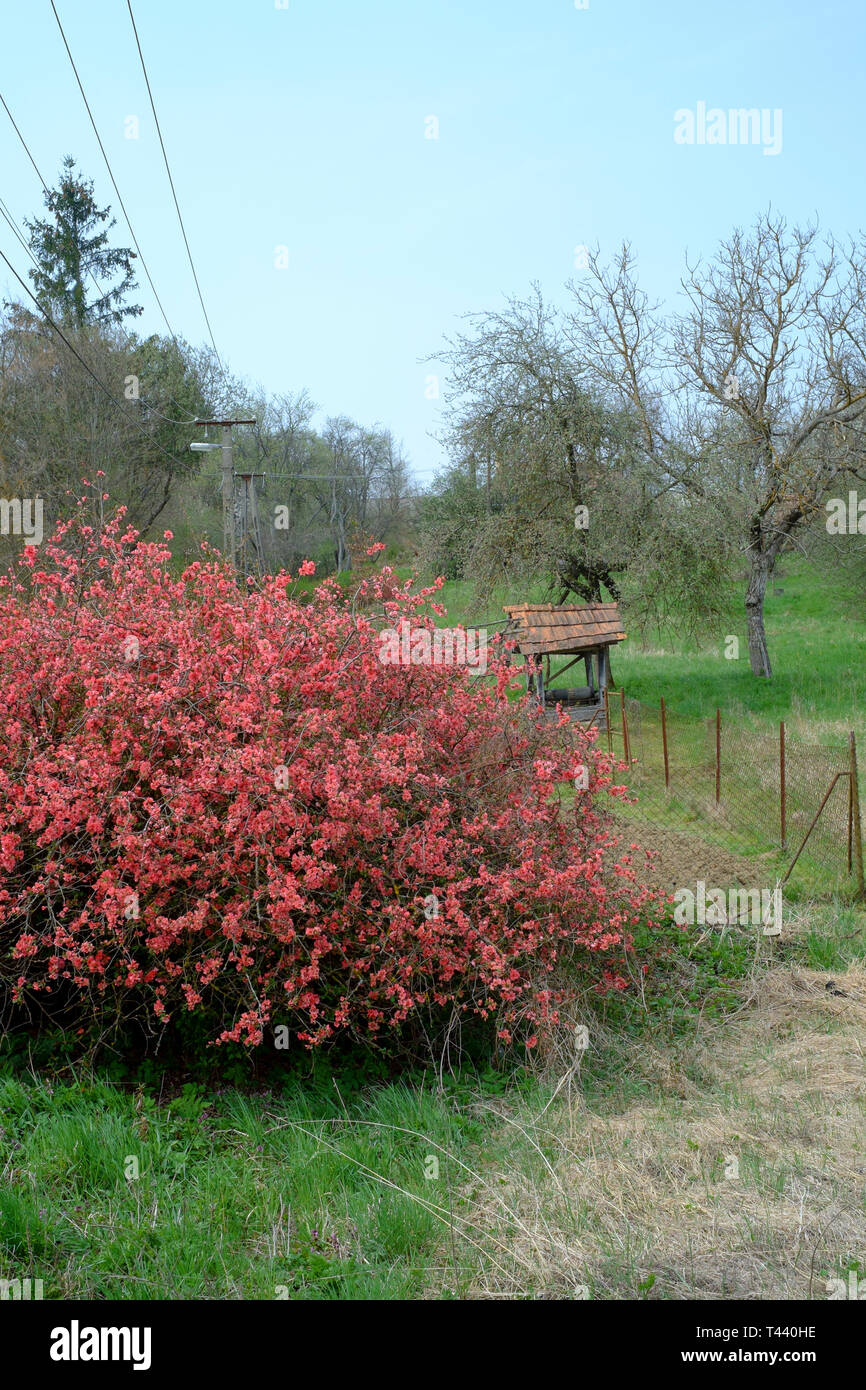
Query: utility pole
column 228, row 482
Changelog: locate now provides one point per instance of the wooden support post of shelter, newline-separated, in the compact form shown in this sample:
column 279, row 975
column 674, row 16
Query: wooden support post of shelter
column 580, row 632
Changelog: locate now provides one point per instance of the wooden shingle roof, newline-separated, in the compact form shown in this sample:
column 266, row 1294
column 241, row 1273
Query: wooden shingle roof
column 541, row 628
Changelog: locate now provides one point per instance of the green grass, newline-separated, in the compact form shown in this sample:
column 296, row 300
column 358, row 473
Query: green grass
column 816, row 637
column 109, row 1194
column 696, row 979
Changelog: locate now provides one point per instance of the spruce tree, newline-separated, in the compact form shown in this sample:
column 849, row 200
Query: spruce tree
column 74, row 256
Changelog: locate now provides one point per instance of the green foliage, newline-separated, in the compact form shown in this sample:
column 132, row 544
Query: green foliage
column 321, row 1193
column 448, row 517
column 69, row 250
column 814, row 626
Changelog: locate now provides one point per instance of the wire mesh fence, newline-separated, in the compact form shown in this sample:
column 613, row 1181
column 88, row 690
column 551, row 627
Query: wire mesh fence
column 754, row 795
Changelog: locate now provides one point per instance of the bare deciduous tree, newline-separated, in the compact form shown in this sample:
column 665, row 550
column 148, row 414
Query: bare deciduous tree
column 58, row 425
column 557, row 475
column 754, row 397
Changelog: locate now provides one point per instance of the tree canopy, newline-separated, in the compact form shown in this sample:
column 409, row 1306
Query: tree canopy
column 74, row 256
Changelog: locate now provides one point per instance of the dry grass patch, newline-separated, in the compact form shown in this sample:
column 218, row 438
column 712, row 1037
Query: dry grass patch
column 739, row 1174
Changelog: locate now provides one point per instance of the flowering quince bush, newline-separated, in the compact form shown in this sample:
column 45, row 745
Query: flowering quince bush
column 215, row 798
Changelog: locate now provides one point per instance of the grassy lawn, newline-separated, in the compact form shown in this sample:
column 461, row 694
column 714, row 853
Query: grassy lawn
column 218, row 1193
column 817, row 641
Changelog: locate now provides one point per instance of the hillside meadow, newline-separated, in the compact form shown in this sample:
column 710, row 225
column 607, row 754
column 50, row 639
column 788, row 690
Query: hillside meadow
column 705, row 1141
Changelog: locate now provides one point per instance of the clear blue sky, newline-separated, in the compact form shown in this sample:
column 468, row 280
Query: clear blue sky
column 305, row 127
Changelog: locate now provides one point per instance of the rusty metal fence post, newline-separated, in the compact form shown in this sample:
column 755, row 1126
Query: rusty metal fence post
column 736, row 786
column 625, row 746
column 854, row 793
column 782, row 781
column 850, row 818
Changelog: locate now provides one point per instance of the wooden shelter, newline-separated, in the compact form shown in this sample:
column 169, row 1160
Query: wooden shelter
column 583, row 631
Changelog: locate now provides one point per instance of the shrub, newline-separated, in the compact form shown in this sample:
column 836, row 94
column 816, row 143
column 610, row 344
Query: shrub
column 217, row 799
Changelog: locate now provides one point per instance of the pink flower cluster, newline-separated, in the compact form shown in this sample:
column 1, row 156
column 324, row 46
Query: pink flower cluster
column 214, row 797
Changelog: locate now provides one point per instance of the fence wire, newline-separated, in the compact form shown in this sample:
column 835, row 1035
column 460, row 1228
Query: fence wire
column 724, row 788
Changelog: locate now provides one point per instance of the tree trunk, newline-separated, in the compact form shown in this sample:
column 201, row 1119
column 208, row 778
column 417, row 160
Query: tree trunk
column 760, row 568
column 338, row 523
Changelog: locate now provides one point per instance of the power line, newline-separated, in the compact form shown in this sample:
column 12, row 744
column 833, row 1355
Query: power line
column 317, row 477
column 49, row 320
column 12, row 224
column 113, row 179
column 102, row 295
column 23, row 142
column 6, row 214
column 171, row 182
